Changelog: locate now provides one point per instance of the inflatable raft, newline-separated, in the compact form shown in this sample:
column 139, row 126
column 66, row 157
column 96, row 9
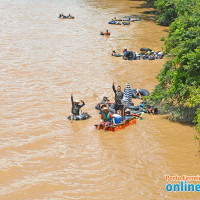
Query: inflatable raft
column 82, row 116
column 143, row 92
column 101, row 33
column 126, row 23
column 117, row 55
column 126, row 20
column 129, row 120
column 130, row 55
column 119, row 126
column 114, row 22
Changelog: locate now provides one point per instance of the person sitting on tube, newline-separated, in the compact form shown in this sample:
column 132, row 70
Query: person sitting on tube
column 105, row 101
column 76, row 107
column 107, row 33
column 152, row 109
column 138, row 94
column 61, row 15
column 128, row 112
column 114, row 52
column 124, row 52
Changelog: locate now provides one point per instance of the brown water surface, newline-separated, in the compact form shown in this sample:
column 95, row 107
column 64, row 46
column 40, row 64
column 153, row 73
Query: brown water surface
column 43, row 60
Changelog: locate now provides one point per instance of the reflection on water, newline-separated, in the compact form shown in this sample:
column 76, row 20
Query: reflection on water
column 45, row 59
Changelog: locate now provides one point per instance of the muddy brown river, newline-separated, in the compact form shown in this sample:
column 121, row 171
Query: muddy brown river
column 43, row 60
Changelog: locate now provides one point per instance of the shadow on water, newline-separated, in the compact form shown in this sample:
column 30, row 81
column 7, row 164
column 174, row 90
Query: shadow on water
column 145, row 5
column 152, row 14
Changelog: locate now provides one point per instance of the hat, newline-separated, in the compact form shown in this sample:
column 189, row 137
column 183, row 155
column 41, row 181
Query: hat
column 125, row 48
column 76, row 101
column 127, row 110
column 105, row 97
column 113, row 50
column 105, row 108
column 103, row 105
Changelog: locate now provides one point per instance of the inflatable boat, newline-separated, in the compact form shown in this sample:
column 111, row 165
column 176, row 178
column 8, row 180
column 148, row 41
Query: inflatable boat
column 82, row 116
column 143, row 92
column 130, row 55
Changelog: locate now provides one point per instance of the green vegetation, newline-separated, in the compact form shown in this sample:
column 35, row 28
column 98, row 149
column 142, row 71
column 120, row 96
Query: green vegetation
column 178, row 91
column 162, row 38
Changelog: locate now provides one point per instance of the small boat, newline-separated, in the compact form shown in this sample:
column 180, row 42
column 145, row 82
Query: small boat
column 117, row 127
column 126, row 23
column 82, row 116
column 130, row 120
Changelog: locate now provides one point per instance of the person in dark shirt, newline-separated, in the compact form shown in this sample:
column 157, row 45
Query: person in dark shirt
column 152, row 109
column 118, row 99
column 76, row 107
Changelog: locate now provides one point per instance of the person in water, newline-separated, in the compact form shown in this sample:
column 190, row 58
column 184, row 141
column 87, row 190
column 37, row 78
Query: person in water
column 61, row 15
column 105, row 101
column 107, row 33
column 138, row 94
column 114, row 52
column 70, row 16
column 118, row 99
column 76, row 107
column 152, row 109
column 124, row 52
column 106, row 118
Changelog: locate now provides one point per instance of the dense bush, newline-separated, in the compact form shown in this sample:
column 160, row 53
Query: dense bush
column 179, row 80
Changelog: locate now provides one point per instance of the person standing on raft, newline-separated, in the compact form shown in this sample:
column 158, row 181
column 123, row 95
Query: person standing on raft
column 118, row 99
column 106, row 118
column 76, row 107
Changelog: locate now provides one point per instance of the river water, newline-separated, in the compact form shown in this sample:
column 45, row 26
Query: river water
column 43, row 60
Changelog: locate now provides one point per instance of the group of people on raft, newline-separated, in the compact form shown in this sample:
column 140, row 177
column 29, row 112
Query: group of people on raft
column 62, row 16
column 124, row 21
column 145, row 55
column 106, row 114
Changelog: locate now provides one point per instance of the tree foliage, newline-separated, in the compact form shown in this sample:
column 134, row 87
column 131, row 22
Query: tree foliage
column 179, row 80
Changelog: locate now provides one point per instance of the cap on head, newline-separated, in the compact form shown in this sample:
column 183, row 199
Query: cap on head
column 76, row 101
